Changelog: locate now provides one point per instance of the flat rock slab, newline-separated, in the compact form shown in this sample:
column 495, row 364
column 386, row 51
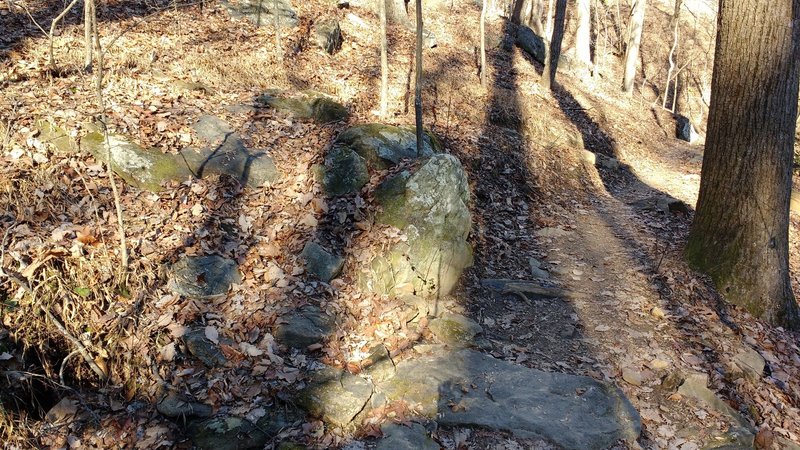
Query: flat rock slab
column 212, row 129
column 385, row 145
column 261, row 12
column 335, row 396
column 322, row 263
column 309, row 325
column 307, row 105
column 235, row 433
column 176, row 405
column 468, row 388
column 204, row 277
column 399, row 437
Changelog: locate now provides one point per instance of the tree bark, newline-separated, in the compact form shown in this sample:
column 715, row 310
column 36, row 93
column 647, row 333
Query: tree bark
column 418, row 83
column 583, row 34
column 483, row 43
column 676, row 17
column 554, row 49
column 740, row 231
column 384, row 60
column 634, row 41
column 88, row 31
column 277, row 22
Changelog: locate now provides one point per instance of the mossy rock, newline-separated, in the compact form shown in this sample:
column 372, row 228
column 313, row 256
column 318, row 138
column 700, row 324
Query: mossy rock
column 144, row 168
column 345, row 171
column 52, row 134
column 383, row 146
column 308, row 106
column 430, row 206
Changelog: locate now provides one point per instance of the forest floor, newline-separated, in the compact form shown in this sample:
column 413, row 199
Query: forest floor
column 607, row 224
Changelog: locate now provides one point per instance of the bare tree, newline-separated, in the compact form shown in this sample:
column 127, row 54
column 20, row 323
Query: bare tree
column 635, row 25
column 740, row 232
column 483, row 42
column 53, row 24
column 89, row 26
column 384, row 60
column 583, row 34
column 554, row 47
column 676, row 17
column 418, row 84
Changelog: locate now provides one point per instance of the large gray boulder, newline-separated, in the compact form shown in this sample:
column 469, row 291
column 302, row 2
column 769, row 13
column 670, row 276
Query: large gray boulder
column 261, row 12
column 532, row 43
column 468, row 388
column 430, row 207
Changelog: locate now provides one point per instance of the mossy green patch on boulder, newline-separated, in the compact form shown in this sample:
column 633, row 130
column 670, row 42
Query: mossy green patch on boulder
column 335, row 396
column 430, row 206
column 386, row 145
column 52, row 134
column 144, row 168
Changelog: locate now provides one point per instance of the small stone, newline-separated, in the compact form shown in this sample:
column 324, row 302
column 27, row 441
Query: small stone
column 204, row 277
column 750, row 363
column 328, row 35
column 176, row 405
column 205, row 350
column 658, row 313
column 226, row 433
column 321, row 262
column 551, row 232
column 632, row 376
column 307, row 326
column 454, row 329
column 658, row 364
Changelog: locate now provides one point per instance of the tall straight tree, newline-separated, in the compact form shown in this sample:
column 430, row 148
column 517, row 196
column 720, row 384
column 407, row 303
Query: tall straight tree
column 553, row 50
column 740, row 231
column 635, row 25
column 384, row 60
column 418, row 82
column 583, row 34
column 483, row 43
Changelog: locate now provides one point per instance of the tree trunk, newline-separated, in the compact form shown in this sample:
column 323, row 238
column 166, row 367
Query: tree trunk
column 583, row 34
column 676, row 17
column 88, row 32
column 534, row 19
column 740, row 231
column 418, row 83
column 483, row 43
column 384, row 60
column 554, row 49
column 634, row 41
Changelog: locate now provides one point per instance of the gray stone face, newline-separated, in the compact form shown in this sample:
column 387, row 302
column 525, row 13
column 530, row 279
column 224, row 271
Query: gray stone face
column 684, row 130
column 150, row 168
column 694, row 386
column 400, row 437
column 307, row 105
column 309, row 325
column 385, row 145
column 345, row 172
column 430, row 206
column 531, row 43
column 328, row 35
column 335, row 396
column 179, row 406
column 260, row 12
column 230, row 157
column 204, row 277
column 454, row 329
column 749, row 363
column 468, row 388
column 203, row 349
column 321, row 262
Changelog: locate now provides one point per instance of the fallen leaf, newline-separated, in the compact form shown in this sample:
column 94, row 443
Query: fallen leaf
column 212, row 334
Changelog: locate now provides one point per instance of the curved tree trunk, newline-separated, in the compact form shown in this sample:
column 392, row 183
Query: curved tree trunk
column 418, row 83
column 634, row 41
column 740, row 232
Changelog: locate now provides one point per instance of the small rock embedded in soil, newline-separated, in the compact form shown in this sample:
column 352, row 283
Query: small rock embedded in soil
column 321, row 262
column 309, row 325
column 204, row 277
